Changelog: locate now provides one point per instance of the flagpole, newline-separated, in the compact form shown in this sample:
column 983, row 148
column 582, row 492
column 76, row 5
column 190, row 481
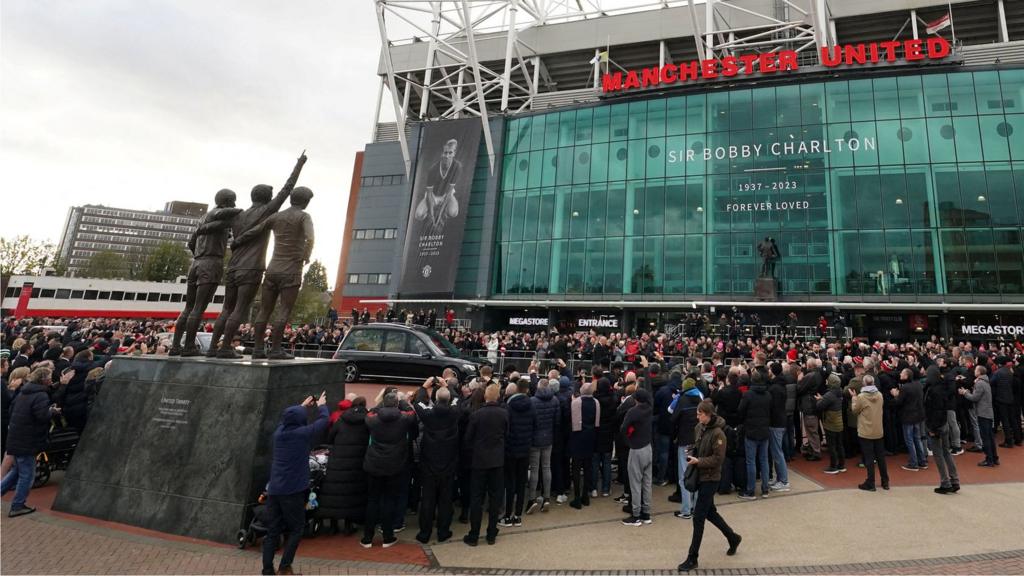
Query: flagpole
column 952, row 27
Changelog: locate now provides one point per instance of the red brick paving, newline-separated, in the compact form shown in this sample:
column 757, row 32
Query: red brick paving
column 1011, row 469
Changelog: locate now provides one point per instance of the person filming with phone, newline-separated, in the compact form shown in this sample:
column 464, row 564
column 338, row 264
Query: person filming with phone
column 289, row 478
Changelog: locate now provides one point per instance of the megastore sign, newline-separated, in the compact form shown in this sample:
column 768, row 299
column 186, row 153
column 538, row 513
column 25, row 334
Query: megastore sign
column 781, row 62
column 987, row 330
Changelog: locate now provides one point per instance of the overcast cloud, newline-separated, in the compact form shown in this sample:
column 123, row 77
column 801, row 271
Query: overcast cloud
column 134, row 103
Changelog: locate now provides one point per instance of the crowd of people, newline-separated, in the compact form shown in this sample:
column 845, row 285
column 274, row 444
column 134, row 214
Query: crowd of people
column 525, row 443
column 706, row 414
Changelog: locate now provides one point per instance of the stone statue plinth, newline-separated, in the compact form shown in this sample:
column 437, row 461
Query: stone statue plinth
column 184, row 445
column 766, row 289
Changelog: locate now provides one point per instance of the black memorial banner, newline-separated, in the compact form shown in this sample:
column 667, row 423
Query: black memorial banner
column 440, row 201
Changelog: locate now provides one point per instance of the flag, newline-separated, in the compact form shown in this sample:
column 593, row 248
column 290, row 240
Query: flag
column 600, row 57
column 940, row 24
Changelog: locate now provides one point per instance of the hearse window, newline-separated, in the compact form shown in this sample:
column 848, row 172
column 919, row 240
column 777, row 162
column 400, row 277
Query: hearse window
column 165, row 297
column 117, row 295
column 104, row 295
column 91, row 294
column 77, row 294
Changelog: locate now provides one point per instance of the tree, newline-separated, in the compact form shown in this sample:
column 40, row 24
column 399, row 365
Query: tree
column 106, row 264
column 315, row 276
column 313, row 300
column 166, row 262
column 25, row 255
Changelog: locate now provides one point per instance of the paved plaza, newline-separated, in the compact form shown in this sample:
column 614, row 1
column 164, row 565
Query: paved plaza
column 824, row 525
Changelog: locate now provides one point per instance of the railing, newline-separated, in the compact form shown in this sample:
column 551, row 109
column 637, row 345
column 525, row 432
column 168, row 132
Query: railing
column 769, row 331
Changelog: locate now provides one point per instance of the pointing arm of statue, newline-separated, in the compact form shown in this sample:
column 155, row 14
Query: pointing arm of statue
column 286, row 190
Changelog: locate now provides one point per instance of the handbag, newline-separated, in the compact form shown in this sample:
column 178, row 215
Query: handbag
column 691, row 478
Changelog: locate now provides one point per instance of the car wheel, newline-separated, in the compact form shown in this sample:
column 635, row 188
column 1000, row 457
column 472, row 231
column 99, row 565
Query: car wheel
column 351, row 373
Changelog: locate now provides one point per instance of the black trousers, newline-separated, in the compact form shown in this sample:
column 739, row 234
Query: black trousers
column 705, row 510
column 836, row 451
column 436, row 497
column 874, row 451
column 464, row 481
column 381, row 496
column 285, row 514
column 489, row 482
column 582, row 477
column 515, row 484
column 892, row 430
column 1010, row 421
column 622, row 455
column 560, row 477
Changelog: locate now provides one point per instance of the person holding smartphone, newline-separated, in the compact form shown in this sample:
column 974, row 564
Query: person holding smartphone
column 289, row 479
column 708, row 456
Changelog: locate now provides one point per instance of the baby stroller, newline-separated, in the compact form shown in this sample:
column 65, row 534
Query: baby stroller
column 60, row 447
column 257, row 525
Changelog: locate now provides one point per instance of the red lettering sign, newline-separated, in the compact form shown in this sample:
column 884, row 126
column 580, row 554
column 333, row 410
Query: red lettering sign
column 864, row 54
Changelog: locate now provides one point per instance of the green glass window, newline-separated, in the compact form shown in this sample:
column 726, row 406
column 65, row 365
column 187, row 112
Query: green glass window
column 595, row 266
column 740, row 113
column 887, row 102
column 601, row 125
column 656, row 118
column 596, row 211
column 763, row 103
column 675, row 121
column 577, row 261
column 613, row 266
column 675, row 264
column 542, row 277
column 911, row 97
column 787, row 105
column 1009, row 246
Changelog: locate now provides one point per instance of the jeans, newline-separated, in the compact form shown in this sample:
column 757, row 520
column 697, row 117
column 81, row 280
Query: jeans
column 705, row 510
column 916, row 452
column 20, row 478
column 401, row 498
column 685, row 506
column 662, row 443
column 640, row 480
column 775, row 443
column 989, row 439
column 285, row 513
column 540, row 471
column 972, row 417
column 953, row 430
column 757, row 449
column 602, row 471
column 943, row 459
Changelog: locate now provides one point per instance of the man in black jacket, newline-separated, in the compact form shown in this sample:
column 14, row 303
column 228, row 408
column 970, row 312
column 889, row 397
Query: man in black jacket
column 26, row 437
column 485, row 435
column 522, row 421
column 439, row 455
column 777, row 427
column 1002, row 396
column 390, row 428
column 936, row 421
column 755, row 413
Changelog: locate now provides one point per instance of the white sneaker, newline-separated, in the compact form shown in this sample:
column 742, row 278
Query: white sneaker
column 561, row 499
column 593, row 493
column 780, row 487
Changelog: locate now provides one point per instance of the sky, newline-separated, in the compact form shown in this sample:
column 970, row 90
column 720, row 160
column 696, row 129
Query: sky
column 134, row 103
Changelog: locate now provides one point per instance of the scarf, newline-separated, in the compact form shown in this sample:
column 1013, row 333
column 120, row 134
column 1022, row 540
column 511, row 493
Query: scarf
column 577, row 413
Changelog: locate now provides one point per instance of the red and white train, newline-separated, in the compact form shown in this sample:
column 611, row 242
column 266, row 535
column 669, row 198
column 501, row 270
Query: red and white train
column 60, row 297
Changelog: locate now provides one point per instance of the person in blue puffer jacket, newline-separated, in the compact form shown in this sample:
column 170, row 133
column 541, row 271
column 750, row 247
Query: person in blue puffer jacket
column 289, row 479
column 548, row 417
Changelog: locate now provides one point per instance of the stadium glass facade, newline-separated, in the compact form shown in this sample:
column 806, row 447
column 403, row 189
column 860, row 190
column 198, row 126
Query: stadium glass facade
column 904, row 188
